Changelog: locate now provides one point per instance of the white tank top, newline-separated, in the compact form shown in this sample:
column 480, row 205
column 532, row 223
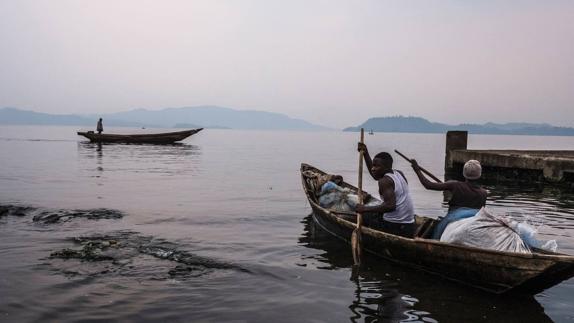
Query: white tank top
column 405, row 212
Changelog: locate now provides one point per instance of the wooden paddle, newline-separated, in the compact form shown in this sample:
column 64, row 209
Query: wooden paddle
column 422, row 169
column 356, row 236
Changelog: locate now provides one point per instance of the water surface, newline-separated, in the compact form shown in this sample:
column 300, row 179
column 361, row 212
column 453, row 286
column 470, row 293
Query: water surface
column 217, row 228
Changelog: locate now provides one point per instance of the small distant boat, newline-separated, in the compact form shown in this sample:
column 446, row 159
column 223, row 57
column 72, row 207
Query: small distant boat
column 494, row 271
column 371, row 132
column 152, row 138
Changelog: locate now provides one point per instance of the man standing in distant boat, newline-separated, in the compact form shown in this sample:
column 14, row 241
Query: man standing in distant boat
column 398, row 215
column 467, row 199
column 100, row 126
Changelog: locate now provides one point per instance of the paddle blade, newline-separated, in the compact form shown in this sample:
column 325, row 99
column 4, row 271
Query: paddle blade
column 356, row 246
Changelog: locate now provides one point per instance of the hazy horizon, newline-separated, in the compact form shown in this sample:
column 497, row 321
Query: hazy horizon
column 332, row 63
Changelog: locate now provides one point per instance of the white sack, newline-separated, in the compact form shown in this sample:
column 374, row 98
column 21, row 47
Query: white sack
column 485, row 230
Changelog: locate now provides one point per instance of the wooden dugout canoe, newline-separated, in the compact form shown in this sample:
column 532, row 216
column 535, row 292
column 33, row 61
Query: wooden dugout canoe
column 153, row 138
column 494, row 271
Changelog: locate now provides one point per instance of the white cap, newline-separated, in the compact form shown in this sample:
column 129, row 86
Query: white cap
column 472, row 169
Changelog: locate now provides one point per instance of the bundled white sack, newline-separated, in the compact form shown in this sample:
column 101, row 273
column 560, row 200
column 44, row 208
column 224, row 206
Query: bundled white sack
column 486, row 231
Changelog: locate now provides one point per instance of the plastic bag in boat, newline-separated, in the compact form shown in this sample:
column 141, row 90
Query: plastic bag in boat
column 528, row 235
column 334, row 197
column 331, row 187
column 487, row 231
column 338, row 198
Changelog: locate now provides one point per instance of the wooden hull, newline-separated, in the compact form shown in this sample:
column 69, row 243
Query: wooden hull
column 157, row 138
column 493, row 271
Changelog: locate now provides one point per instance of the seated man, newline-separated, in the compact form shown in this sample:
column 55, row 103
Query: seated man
column 467, row 199
column 396, row 214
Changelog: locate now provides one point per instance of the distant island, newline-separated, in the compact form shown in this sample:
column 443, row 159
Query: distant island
column 421, row 125
column 188, row 117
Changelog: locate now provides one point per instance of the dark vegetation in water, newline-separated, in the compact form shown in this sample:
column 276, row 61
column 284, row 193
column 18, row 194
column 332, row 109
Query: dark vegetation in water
column 90, row 251
column 120, row 250
column 61, row 215
column 66, row 215
column 184, row 257
column 14, row 210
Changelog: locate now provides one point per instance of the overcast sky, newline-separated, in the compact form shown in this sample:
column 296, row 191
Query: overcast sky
column 334, row 63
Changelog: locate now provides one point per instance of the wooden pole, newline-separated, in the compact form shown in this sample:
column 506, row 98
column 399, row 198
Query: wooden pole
column 356, row 236
column 422, row 169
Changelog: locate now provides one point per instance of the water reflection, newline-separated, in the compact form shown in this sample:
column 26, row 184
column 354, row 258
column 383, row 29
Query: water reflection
column 99, row 156
column 378, row 300
column 160, row 159
column 385, row 292
column 377, row 295
column 550, row 196
column 550, row 210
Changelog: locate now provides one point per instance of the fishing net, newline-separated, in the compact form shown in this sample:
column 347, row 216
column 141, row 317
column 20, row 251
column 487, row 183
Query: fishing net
column 335, row 197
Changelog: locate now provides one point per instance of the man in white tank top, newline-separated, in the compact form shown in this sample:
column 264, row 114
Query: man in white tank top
column 398, row 215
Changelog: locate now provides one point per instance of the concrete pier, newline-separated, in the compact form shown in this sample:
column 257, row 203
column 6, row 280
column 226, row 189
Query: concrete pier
column 546, row 166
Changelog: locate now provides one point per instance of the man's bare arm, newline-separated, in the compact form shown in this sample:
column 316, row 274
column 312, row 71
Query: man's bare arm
column 387, row 191
column 446, row 186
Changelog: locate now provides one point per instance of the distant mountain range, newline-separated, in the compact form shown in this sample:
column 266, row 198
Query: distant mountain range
column 190, row 117
column 421, row 125
column 225, row 118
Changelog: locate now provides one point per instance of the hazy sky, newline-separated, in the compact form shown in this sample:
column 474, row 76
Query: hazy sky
column 330, row 62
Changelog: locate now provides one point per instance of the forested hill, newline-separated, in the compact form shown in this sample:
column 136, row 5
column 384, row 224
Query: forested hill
column 421, row 125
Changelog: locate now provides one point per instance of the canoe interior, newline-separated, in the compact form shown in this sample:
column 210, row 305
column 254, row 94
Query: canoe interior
column 489, row 270
column 425, row 225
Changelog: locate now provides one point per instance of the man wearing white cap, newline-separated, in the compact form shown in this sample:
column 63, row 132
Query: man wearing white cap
column 467, row 197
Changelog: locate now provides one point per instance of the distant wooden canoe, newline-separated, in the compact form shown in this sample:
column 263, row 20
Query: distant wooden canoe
column 154, row 138
column 490, row 270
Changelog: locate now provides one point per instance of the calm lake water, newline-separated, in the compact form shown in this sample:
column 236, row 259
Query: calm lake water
column 217, row 229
